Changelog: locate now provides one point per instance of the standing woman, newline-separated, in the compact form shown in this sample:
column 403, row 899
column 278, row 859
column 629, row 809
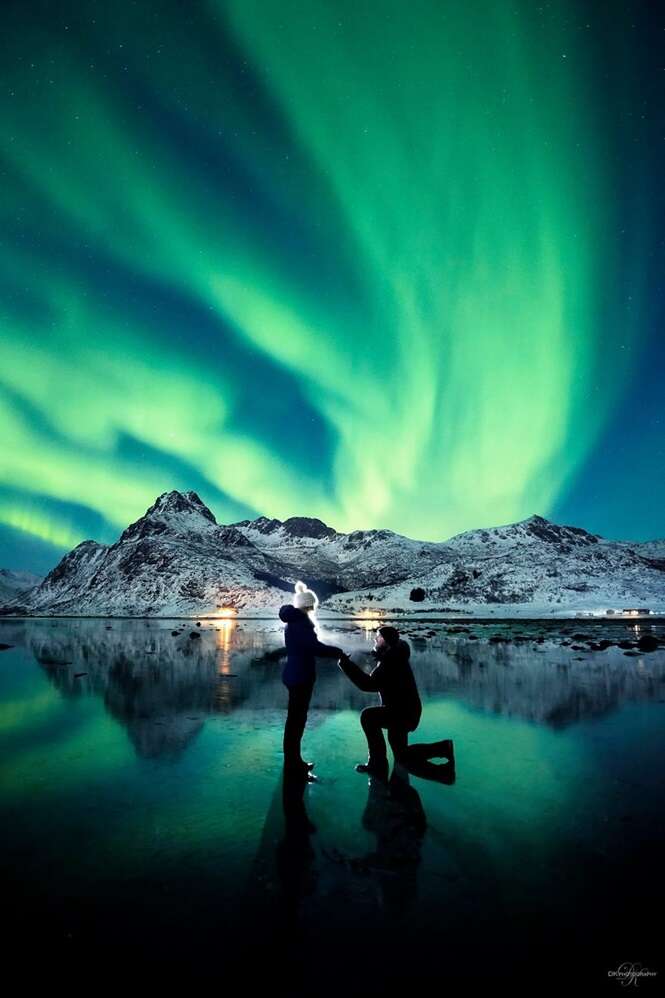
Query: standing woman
column 302, row 648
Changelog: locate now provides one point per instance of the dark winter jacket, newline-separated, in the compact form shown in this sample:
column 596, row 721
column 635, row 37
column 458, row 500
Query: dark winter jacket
column 302, row 646
column 392, row 679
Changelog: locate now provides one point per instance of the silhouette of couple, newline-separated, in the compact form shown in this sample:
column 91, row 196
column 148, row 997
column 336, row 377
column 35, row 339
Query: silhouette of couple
column 392, row 678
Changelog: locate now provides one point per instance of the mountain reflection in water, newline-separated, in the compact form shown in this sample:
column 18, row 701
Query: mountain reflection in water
column 162, row 679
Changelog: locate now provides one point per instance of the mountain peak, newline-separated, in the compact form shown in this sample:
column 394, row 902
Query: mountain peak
column 557, row 533
column 307, row 526
column 180, row 502
column 171, row 511
column 295, row 526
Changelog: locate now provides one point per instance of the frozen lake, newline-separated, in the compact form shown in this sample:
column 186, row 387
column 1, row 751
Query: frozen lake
column 145, row 815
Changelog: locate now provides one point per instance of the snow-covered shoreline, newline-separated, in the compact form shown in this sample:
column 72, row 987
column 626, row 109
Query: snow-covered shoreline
column 486, row 615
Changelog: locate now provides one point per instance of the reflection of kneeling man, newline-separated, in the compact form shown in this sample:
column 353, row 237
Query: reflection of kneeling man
column 395, row 814
column 400, row 708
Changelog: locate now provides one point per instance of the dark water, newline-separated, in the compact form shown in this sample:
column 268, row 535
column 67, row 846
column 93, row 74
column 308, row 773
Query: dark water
column 146, row 830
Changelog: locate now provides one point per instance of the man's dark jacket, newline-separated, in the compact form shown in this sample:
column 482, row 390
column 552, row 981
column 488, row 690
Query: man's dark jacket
column 393, row 680
column 302, row 646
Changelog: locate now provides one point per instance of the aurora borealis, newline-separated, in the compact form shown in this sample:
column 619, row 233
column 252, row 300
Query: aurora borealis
column 389, row 264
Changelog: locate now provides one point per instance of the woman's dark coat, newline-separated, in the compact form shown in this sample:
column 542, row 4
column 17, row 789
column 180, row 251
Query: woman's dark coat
column 302, row 646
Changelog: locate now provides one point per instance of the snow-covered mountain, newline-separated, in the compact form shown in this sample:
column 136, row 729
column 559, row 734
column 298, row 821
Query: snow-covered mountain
column 530, row 563
column 340, row 562
column 177, row 560
column 648, row 549
column 174, row 560
column 12, row 584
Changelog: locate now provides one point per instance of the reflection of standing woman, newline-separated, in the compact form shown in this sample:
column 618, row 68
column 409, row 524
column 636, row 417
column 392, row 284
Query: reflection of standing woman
column 302, row 647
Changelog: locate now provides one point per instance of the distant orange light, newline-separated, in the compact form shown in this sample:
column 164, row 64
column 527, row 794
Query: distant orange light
column 227, row 611
column 369, row 621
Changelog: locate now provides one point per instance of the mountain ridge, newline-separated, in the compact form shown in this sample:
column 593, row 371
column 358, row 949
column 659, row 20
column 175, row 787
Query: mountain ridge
column 177, row 559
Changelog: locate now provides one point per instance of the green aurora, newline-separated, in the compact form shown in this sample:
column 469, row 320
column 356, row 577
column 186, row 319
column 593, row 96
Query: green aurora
column 346, row 260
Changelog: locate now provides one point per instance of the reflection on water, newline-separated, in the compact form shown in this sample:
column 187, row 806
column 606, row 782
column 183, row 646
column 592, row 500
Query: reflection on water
column 142, row 787
column 161, row 682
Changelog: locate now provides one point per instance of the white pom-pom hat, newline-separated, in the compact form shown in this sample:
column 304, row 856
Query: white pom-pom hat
column 304, row 598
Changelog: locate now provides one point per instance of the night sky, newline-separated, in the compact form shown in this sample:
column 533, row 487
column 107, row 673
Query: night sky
column 390, row 263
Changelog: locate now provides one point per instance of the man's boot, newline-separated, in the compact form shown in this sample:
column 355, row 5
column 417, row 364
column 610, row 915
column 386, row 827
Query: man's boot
column 374, row 767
